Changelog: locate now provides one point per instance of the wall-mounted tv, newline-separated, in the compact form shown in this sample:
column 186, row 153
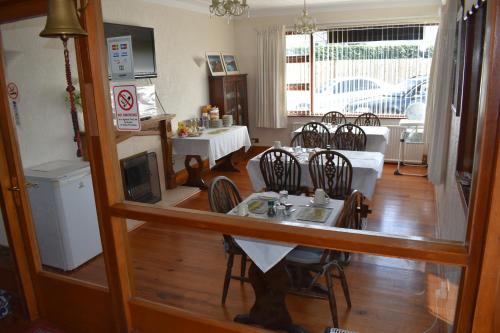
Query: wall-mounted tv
column 143, row 44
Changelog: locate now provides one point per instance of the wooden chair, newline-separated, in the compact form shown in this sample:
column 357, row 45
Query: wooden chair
column 331, row 171
column 304, row 260
column 281, row 171
column 223, row 196
column 334, row 118
column 308, row 140
column 351, row 217
column 318, row 128
column 349, row 137
column 367, row 119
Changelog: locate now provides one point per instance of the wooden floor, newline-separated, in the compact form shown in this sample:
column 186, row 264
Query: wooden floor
column 185, row 268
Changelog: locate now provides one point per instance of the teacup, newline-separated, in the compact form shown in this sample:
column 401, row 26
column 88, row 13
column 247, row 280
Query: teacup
column 320, row 197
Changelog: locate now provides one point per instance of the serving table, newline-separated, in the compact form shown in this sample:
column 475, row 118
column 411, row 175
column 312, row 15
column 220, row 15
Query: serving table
column 267, row 273
column 367, row 168
column 377, row 137
column 217, row 144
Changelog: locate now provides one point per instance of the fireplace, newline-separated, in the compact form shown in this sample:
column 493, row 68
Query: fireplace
column 141, row 182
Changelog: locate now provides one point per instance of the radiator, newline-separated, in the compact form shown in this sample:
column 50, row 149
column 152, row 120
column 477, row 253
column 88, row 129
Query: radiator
column 413, row 152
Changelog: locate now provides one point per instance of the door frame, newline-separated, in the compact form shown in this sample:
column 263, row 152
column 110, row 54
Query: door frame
column 130, row 312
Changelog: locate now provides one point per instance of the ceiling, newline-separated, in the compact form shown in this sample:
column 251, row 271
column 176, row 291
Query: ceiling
column 283, row 7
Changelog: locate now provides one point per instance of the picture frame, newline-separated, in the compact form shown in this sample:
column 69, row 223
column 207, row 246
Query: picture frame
column 230, row 64
column 215, row 63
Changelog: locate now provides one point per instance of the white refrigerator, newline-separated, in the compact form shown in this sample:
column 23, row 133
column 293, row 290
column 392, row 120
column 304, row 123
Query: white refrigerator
column 64, row 213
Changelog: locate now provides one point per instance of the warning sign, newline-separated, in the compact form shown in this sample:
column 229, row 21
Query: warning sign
column 12, row 91
column 126, row 110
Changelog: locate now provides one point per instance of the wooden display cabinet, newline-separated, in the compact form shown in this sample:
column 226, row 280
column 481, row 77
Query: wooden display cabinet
column 229, row 94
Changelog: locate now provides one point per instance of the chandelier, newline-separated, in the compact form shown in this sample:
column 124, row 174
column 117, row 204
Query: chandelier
column 229, row 7
column 305, row 24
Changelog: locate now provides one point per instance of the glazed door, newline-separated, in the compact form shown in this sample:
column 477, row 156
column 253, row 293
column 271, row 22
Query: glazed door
column 230, row 92
column 241, row 97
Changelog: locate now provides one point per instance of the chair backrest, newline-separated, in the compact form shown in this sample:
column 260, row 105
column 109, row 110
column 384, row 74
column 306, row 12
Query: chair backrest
column 350, row 217
column 349, row 137
column 318, row 128
column 367, row 119
column 331, row 171
column 280, row 171
column 308, row 140
column 223, row 195
column 334, row 118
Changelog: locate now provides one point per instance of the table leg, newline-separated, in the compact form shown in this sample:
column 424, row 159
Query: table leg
column 227, row 162
column 269, row 309
column 194, row 173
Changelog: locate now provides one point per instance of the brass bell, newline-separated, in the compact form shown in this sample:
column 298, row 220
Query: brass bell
column 62, row 20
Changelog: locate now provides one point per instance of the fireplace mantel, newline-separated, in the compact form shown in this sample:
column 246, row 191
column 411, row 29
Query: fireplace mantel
column 158, row 125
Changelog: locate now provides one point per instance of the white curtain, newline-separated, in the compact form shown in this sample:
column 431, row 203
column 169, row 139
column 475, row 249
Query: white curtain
column 271, row 62
column 438, row 115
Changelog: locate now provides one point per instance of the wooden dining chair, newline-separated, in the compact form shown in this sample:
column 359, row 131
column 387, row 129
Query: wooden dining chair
column 332, row 172
column 223, row 196
column 280, row 171
column 334, row 118
column 320, row 128
column 367, row 119
column 308, row 140
column 351, row 217
column 302, row 261
column 349, row 137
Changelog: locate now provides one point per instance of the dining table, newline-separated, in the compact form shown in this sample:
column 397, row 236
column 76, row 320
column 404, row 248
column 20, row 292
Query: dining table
column 377, row 137
column 267, row 272
column 367, row 168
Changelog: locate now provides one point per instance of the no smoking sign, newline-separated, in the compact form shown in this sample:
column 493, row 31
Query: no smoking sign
column 127, row 112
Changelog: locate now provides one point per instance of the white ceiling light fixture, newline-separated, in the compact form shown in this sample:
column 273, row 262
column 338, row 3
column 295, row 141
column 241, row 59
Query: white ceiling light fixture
column 229, row 8
column 305, row 24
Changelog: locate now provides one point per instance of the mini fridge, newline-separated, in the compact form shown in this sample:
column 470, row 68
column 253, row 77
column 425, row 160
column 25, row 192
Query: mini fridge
column 64, row 213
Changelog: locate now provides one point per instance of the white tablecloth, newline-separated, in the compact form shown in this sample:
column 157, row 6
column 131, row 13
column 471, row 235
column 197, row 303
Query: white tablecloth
column 214, row 143
column 266, row 254
column 367, row 168
column 377, row 137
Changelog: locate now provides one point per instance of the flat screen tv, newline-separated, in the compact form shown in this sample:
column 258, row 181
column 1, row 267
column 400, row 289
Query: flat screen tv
column 143, row 44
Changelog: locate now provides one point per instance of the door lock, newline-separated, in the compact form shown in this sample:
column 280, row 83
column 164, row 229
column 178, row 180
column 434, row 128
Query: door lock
column 14, row 189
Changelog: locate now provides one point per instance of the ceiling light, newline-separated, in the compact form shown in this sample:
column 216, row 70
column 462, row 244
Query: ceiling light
column 229, row 8
column 305, row 24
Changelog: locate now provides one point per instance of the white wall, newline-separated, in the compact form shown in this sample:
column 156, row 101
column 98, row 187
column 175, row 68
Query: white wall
column 246, row 47
column 36, row 65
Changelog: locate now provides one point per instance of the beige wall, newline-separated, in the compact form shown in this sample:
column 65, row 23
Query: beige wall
column 246, row 46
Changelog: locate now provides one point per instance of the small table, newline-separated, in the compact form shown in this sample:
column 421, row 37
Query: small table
column 367, row 168
column 267, row 272
column 377, row 137
column 217, row 144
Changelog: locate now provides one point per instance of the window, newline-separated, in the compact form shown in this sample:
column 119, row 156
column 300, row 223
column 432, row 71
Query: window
column 380, row 69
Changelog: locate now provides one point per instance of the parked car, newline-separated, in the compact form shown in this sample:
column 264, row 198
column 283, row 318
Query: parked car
column 392, row 103
column 337, row 94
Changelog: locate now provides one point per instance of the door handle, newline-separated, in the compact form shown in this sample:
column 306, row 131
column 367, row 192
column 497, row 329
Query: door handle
column 14, row 189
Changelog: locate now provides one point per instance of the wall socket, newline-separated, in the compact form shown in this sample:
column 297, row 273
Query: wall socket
column 255, row 140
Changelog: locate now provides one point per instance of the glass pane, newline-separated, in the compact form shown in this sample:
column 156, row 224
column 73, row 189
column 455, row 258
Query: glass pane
column 59, row 181
column 186, row 268
column 389, row 60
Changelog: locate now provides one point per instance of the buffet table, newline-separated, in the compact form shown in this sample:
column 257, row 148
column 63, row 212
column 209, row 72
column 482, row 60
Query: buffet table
column 217, row 144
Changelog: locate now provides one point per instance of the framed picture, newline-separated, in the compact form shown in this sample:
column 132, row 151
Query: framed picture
column 214, row 60
column 230, row 64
